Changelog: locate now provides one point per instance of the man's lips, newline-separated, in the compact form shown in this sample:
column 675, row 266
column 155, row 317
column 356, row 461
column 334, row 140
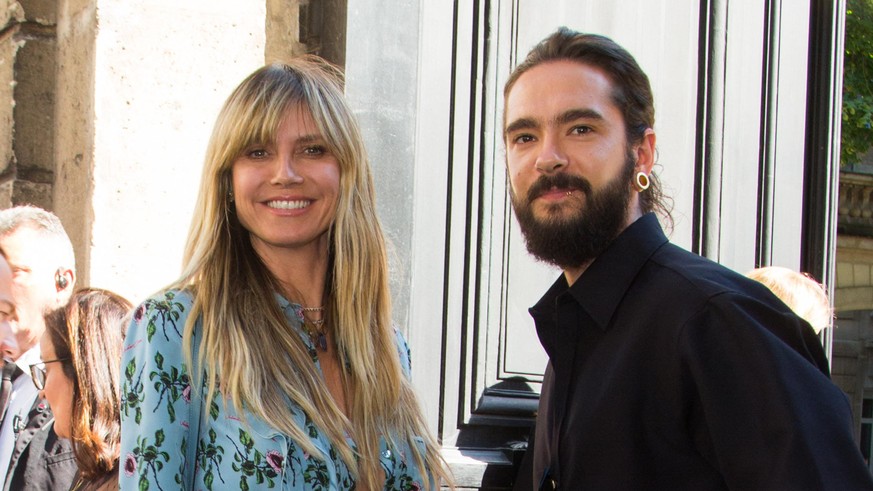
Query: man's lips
column 554, row 194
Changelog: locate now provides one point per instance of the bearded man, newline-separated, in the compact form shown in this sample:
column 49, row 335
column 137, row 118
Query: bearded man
column 666, row 370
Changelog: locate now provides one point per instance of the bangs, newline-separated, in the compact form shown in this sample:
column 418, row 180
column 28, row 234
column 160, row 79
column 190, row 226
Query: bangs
column 257, row 107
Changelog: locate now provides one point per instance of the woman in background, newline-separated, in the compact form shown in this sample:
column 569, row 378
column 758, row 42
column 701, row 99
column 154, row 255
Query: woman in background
column 299, row 379
column 79, row 378
column 802, row 294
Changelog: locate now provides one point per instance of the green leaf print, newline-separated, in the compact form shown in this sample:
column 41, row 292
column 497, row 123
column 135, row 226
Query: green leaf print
column 150, row 458
column 170, row 385
column 164, row 312
column 132, row 389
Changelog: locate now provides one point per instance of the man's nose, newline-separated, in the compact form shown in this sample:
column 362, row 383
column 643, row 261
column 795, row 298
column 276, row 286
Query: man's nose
column 9, row 348
column 551, row 157
column 8, row 343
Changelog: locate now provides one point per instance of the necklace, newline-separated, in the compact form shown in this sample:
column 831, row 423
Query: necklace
column 315, row 327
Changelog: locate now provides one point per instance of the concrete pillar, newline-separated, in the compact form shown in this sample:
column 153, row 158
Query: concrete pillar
column 136, row 102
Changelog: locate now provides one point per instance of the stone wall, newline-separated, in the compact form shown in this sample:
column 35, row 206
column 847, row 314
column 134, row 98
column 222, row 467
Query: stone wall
column 11, row 16
column 853, row 336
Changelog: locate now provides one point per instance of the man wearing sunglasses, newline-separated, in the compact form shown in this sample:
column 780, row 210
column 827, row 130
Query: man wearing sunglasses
column 40, row 256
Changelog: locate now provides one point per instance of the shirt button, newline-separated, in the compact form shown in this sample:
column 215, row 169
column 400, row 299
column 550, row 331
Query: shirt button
column 551, row 484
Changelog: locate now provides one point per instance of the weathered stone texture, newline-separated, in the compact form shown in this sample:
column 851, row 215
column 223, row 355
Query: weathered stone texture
column 10, row 16
column 34, row 193
column 41, row 11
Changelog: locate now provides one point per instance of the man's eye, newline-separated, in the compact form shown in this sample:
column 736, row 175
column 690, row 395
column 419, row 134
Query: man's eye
column 523, row 139
column 581, row 130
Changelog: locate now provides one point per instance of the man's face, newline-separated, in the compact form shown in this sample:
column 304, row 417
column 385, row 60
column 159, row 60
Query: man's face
column 7, row 304
column 569, row 165
column 33, row 289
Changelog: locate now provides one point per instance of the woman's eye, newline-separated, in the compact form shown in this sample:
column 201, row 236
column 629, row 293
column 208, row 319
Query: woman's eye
column 314, row 150
column 257, row 153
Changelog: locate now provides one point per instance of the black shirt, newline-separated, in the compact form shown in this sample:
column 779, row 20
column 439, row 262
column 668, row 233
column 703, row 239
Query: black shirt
column 669, row 371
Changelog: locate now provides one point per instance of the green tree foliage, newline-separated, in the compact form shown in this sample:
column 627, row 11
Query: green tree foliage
column 857, row 128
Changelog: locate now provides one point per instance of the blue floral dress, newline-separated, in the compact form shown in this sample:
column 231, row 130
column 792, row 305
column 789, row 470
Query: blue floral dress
column 230, row 455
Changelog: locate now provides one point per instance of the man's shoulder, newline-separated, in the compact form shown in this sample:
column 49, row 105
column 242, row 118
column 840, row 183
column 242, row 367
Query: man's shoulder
column 690, row 273
column 41, row 459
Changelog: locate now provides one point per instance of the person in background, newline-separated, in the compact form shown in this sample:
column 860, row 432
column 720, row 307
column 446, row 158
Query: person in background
column 272, row 362
column 805, row 296
column 43, row 265
column 666, row 370
column 79, row 377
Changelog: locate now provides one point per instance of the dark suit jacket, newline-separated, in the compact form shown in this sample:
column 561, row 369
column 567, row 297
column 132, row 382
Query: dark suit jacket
column 40, row 460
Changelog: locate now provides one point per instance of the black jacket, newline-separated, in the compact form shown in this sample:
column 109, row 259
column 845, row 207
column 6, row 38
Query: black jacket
column 40, row 460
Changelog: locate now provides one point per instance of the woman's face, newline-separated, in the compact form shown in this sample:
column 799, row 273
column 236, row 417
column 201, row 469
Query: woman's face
column 58, row 390
column 286, row 192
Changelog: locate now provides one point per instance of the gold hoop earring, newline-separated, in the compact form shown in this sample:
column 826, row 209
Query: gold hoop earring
column 642, row 182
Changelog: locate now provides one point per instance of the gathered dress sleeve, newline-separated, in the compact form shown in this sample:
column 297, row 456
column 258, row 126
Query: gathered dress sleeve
column 155, row 396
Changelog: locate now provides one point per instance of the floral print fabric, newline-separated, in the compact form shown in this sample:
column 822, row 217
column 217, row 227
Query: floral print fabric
column 156, row 397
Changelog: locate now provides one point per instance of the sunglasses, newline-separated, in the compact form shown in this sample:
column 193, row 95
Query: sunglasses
column 37, row 372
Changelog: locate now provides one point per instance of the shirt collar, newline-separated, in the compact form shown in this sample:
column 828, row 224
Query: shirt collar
column 28, row 358
column 603, row 285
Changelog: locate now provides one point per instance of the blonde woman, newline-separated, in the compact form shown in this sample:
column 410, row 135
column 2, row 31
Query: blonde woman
column 802, row 294
column 299, row 380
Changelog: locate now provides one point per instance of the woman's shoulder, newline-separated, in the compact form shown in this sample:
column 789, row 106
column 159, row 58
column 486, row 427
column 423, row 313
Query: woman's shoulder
column 162, row 316
column 172, row 299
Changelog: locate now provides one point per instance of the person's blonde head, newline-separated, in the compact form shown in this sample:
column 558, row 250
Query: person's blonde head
column 245, row 336
column 805, row 296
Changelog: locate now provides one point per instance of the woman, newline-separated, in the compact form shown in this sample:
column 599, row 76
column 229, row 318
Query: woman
column 299, row 379
column 803, row 295
column 81, row 349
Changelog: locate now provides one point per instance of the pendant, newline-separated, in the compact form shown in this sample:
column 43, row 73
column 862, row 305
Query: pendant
column 322, row 341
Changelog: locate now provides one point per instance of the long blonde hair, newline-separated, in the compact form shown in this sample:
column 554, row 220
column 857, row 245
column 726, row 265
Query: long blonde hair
column 245, row 339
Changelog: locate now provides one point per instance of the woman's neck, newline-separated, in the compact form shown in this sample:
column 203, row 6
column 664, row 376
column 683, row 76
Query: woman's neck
column 301, row 272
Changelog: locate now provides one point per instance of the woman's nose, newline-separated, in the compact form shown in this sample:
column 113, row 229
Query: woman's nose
column 286, row 173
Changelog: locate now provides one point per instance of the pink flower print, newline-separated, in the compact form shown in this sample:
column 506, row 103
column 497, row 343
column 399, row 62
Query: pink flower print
column 299, row 313
column 186, row 394
column 275, row 460
column 129, row 465
column 137, row 316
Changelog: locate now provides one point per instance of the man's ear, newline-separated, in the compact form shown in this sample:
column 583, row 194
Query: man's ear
column 645, row 152
column 64, row 281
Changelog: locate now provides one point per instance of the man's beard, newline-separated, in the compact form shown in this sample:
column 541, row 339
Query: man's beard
column 571, row 241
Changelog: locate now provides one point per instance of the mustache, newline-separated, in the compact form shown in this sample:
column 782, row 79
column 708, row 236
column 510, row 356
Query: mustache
column 561, row 180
